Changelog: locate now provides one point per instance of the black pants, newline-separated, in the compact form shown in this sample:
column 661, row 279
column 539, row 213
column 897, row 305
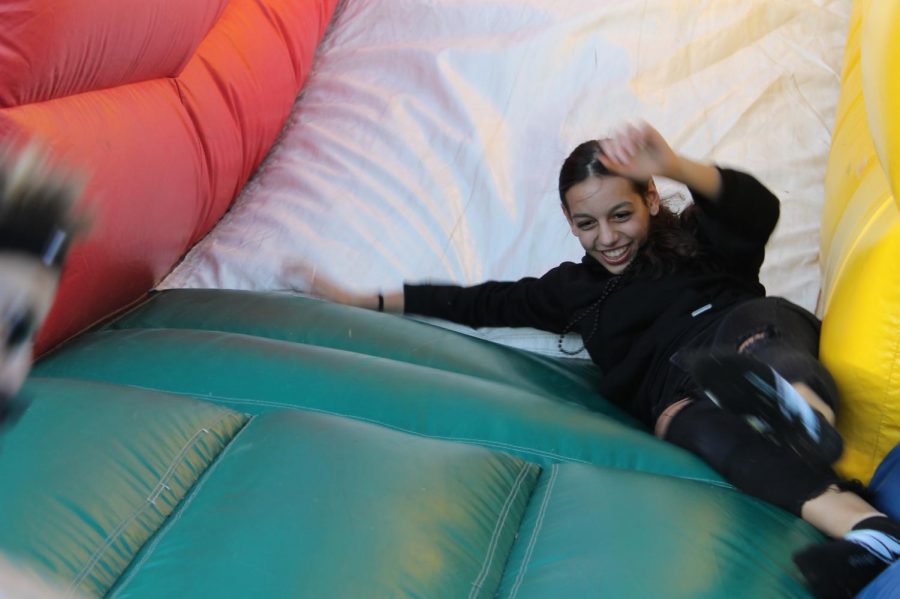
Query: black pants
column 790, row 345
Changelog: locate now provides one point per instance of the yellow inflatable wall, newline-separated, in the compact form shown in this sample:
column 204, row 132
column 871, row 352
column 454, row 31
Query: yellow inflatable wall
column 860, row 256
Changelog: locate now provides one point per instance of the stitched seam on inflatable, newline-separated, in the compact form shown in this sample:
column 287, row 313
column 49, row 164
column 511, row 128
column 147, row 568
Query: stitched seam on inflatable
column 539, row 523
column 170, row 522
column 473, row 441
column 480, row 442
column 484, row 442
column 150, row 500
column 486, row 378
column 498, row 528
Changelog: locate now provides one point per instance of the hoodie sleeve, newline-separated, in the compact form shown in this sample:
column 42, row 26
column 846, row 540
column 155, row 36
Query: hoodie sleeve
column 737, row 225
column 529, row 302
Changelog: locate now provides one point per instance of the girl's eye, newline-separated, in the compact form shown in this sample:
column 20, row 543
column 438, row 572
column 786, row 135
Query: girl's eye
column 585, row 225
column 621, row 216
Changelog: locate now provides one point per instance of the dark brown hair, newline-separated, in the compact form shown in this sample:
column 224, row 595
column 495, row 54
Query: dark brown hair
column 671, row 238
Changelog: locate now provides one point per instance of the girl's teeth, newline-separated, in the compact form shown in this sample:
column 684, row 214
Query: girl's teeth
column 615, row 253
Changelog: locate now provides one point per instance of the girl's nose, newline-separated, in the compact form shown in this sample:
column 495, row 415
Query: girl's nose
column 607, row 236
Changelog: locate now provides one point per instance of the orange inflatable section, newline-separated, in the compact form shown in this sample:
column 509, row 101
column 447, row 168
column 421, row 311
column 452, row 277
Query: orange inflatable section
column 170, row 127
column 240, row 87
column 55, row 48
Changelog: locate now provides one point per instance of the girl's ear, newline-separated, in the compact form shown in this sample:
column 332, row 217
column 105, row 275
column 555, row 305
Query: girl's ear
column 652, row 198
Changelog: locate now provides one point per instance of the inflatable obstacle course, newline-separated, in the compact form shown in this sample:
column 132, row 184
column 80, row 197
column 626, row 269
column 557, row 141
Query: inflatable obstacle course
column 213, row 442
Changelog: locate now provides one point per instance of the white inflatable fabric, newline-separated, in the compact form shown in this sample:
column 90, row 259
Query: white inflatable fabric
column 427, row 141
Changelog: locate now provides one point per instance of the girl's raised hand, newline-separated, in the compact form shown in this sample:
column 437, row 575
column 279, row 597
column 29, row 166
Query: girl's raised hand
column 638, row 152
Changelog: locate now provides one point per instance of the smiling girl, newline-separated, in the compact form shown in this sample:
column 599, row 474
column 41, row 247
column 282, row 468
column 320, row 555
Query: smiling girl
column 671, row 308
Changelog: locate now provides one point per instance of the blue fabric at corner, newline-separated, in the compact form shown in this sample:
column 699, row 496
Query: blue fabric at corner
column 885, row 488
column 885, row 485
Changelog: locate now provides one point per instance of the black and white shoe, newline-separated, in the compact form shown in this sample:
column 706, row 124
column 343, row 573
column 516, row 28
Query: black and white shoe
column 841, row 568
column 838, row 569
column 743, row 385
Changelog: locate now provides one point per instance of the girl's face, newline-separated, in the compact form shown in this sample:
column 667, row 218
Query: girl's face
column 610, row 219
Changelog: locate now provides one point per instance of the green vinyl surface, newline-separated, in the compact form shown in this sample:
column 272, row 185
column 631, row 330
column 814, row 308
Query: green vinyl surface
column 233, row 444
column 258, row 374
column 595, row 532
column 346, row 510
column 92, row 470
column 314, row 322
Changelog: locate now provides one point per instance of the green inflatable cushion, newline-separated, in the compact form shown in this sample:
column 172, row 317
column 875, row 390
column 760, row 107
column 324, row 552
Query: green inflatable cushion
column 306, row 505
column 92, row 470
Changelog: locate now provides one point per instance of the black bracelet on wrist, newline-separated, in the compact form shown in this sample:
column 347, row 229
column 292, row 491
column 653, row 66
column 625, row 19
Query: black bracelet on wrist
column 381, row 302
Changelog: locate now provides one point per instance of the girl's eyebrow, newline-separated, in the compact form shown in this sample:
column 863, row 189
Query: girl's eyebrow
column 625, row 204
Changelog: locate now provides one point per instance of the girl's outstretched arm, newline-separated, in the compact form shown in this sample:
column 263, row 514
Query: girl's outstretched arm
column 534, row 302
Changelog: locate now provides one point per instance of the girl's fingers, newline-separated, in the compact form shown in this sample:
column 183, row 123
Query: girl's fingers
column 608, row 162
column 608, row 157
column 629, row 146
column 636, row 136
column 636, row 150
column 620, row 152
column 614, row 156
